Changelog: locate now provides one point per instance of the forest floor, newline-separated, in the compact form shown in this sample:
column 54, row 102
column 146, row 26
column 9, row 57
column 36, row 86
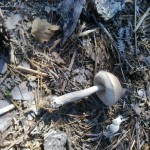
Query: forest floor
column 51, row 48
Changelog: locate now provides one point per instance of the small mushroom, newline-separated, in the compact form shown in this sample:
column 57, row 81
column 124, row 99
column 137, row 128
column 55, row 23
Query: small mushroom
column 114, row 127
column 106, row 86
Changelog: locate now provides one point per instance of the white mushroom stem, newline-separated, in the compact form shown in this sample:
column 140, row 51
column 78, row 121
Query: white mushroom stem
column 74, row 96
column 6, row 109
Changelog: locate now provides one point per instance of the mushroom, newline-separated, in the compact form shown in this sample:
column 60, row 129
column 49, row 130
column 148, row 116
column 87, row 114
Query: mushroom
column 107, row 88
column 114, row 127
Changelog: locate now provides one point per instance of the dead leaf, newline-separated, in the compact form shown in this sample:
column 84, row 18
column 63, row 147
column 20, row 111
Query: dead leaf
column 11, row 22
column 6, row 121
column 21, row 92
column 57, row 58
column 4, row 103
column 108, row 8
column 76, row 71
column 81, row 79
column 88, row 74
column 42, row 30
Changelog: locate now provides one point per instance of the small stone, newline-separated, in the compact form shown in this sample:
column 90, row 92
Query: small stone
column 55, row 140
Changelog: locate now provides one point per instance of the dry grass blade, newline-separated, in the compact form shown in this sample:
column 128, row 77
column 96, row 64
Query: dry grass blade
column 27, row 70
column 142, row 19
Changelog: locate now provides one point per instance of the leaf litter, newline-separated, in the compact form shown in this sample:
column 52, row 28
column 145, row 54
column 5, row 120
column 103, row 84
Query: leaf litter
column 21, row 92
column 71, row 43
column 42, row 30
column 12, row 21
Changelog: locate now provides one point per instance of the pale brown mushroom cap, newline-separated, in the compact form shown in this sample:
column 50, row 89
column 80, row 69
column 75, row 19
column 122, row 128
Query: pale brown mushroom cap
column 112, row 92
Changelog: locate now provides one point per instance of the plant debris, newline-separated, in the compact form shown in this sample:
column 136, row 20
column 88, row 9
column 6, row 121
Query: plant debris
column 6, row 122
column 42, row 30
column 12, row 21
column 50, row 48
column 21, row 92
